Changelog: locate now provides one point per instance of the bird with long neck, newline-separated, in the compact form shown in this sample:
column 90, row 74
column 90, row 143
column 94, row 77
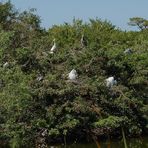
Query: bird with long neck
column 83, row 41
column 53, row 48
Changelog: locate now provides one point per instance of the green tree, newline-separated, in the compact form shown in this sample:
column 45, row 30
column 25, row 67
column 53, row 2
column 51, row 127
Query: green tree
column 141, row 23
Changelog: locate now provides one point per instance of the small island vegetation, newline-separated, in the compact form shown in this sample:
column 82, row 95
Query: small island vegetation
column 40, row 105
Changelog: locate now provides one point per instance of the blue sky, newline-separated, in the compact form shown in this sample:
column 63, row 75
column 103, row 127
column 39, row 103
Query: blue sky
column 60, row 11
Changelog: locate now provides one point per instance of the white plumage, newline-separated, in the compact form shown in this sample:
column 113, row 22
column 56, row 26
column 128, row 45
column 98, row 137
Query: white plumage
column 73, row 75
column 44, row 132
column 39, row 78
column 6, row 65
column 53, row 48
column 128, row 51
column 110, row 82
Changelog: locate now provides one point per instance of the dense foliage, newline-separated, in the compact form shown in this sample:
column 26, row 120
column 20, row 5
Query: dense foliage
column 56, row 109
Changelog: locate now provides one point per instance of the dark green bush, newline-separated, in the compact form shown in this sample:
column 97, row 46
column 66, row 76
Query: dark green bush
column 57, row 107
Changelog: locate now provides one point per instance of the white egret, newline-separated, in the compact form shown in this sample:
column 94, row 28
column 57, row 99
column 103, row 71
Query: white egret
column 44, row 132
column 73, row 75
column 128, row 51
column 83, row 41
column 110, row 82
column 39, row 78
column 6, row 65
column 53, row 48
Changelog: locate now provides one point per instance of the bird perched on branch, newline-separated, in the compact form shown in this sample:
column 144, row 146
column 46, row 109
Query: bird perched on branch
column 83, row 41
column 54, row 47
column 73, row 75
column 6, row 65
column 110, row 82
column 39, row 78
column 128, row 51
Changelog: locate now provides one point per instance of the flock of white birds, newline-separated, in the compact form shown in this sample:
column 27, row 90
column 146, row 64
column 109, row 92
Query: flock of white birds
column 110, row 81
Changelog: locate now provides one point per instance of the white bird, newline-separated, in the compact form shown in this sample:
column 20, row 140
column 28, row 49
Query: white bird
column 73, row 75
column 110, row 82
column 128, row 51
column 83, row 41
column 6, row 65
column 39, row 78
column 53, row 48
column 44, row 132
